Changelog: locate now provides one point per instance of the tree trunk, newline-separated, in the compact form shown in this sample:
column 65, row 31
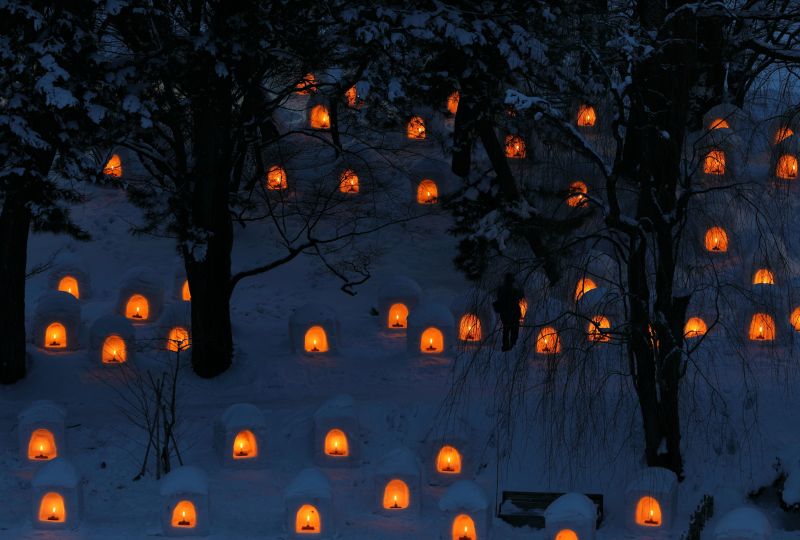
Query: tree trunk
column 15, row 221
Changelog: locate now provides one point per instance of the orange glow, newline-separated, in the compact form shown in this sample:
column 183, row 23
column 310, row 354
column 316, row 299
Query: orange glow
column 245, row 445
column 307, row 85
column 762, row 328
column 114, row 350
column 448, row 461
column 566, row 534
column 137, row 308
column 719, row 123
column 320, row 119
column 452, row 102
column 515, row 147
column 464, row 528
column 577, row 194
column 42, row 446
column 795, row 319
column 416, row 128
column 431, row 341
column 782, row 133
column 307, row 520
column 523, row 309
column 587, row 116
column 351, row 96
column 336, row 443
column 695, row 327
column 69, row 285
column 648, row 512
column 178, row 339
column 714, row 162
column 584, row 285
column 348, row 181
column 469, row 328
column 598, row 329
column 547, row 342
column 52, row 509
column 763, row 276
column 55, row 337
column 716, row 240
column 427, row 192
column 787, row 167
column 398, row 316
column 276, row 178
column 395, row 495
column 184, row 515
column 316, row 340
column 186, row 294
column 113, row 167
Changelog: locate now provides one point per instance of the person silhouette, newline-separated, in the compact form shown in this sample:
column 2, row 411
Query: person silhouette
column 507, row 307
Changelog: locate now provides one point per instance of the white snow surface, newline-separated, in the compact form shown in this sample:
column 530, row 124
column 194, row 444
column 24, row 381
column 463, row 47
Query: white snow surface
column 184, row 480
column 746, row 523
column 400, row 461
column 569, row 506
column 58, row 473
column 339, row 406
column 242, row 415
column 310, row 483
column 464, row 495
column 42, row 411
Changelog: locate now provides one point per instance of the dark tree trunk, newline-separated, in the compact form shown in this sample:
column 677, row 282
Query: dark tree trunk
column 15, row 221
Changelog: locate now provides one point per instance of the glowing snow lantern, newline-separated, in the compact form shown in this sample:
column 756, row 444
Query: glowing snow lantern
column 184, row 515
column 184, row 494
column 137, row 308
column 448, row 461
column 112, row 340
column 719, row 123
column 762, row 328
column 351, row 96
column 465, row 510
column 314, row 329
column 572, row 516
column 113, row 167
column 186, row 294
column 319, row 117
column 396, row 495
column 42, row 446
column 336, row 443
column 51, row 508
column 416, row 128
column 547, row 341
column 795, row 319
column 763, row 276
column 469, row 328
column 398, row 316
column 114, row 350
column 56, row 496
column 245, row 445
column 648, row 512
column 308, row 521
column 598, row 329
column 651, row 500
column 41, row 432
column 782, row 133
column 178, row 339
column 452, row 102
column 69, row 285
column 587, row 117
column 55, row 337
column 515, row 147
column 335, row 432
column 431, row 330
column 523, row 309
column 584, row 285
column 695, row 327
column 307, row 85
column 397, row 482
column 786, row 167
column 714, row 162
column 464, row 528
column 716, row 240
column 427, row 192
column 577, row 194
column 431, row 341
column 239, row 433
column 348, row 181
column 566, row 534
column 397, row 297
column 308, row 506
column 276, row 178
column 316, row 340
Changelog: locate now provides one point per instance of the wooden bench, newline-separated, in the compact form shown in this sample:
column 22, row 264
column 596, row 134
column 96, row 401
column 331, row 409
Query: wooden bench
column 520, row 508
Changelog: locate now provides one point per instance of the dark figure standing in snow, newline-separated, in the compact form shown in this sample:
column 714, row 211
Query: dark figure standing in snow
column 507, row 306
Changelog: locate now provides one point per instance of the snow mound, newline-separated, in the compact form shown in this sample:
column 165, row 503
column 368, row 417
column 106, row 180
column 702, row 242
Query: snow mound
column 400, row 461
column 57, row 473
column 464, row 495
column 744, row 523
column 399, row 287
column 654, row 479
column 314, row 313
column 56, row 305
column 571, row 506
column 431, row 315
column 42, row 411
column 339, row 406
column 242, row 415
column 309, row 483
column 186, row 479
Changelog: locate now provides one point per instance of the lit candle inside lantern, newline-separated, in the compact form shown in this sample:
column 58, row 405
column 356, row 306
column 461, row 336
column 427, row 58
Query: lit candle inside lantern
column 397, row 321
column 336, row 451
column 449, row 467
column 308, row 526
column 315, row 348
column 183, row 522
column 546, row 347
column 242, row 451
column 430, row 345
column 41, row 453
column 759, row 336
column 53, row 515
column 651, row 520
column 55, row 342
column 466, row 534
column 395, row 505
column 137, row 315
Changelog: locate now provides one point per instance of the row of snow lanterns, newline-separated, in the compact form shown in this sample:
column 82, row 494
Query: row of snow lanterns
column 786, row 164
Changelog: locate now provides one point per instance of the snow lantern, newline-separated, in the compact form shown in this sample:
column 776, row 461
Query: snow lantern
column 309, row 509
column 57, row 322
column 446, row 457
column 307, row 85
column 474, row 317
column 577, row 194
column 695, row 327
column 397, row 297
column 598, row 312
column 41, row 432
column 783, row 163
column 241, row 436
column 349, row 182
column 515, row 147
column 465, row 510
column 141, row 295
column 397, row 482
column 427, row 192
column 70, row 276
column 180, row 287
column 586, row 117
column 651, row 500
column 716, row 240
column 57, row 496
column 184, row 502
column 452, row 102
column 318, row 117
column 112, row 340
column 113, row 166
column 724, row 116
column 336, row 432
column 175, row 327
column 314, row 329
column 584, row 285
column 762, row 328
column 276, row 178
column 745, row 523
column 573, row 516
column 415, row 129
column 431, row 330
column 719, row 152
column 781, row 133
